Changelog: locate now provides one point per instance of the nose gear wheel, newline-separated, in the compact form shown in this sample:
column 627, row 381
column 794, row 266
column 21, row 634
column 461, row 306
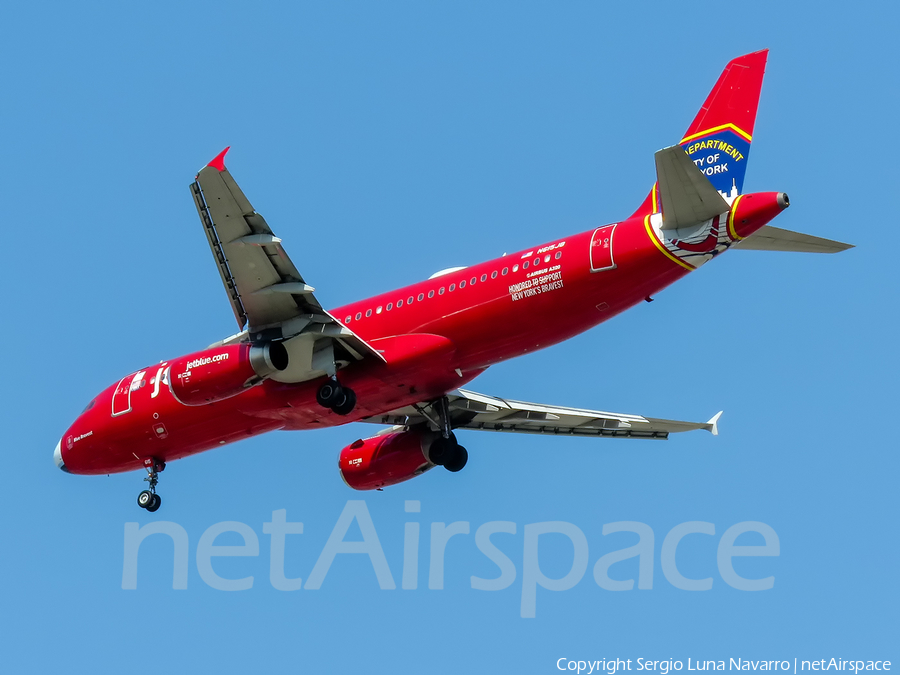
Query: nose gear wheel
column 148, row 499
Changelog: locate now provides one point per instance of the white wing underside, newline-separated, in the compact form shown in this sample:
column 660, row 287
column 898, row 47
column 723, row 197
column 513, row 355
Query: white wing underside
column 470, row 410
column 267, row 293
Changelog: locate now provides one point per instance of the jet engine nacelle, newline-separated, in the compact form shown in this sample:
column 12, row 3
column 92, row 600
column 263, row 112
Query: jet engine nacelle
column 222, row 372
column 391, row 458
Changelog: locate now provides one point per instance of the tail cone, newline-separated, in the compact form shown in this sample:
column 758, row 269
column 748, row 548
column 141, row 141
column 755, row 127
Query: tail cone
column 750, row 212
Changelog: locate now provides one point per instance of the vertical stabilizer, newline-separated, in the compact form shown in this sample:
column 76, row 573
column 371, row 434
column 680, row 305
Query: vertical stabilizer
column 718, row 140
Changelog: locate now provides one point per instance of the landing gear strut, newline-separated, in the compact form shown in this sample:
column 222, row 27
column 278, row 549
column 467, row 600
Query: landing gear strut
column 148, row 499
column 340, row 399
column 446, row 451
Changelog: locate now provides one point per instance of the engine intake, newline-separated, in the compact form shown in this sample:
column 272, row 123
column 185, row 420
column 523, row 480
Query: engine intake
column 222, row 372
column 372, row 463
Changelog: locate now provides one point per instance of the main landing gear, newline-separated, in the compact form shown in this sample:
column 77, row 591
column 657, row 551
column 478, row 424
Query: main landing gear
column 148, row 499
column 340, row 399
column 446, row 451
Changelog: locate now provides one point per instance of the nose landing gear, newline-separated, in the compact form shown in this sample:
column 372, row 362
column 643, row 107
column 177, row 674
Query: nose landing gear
column 148, row 499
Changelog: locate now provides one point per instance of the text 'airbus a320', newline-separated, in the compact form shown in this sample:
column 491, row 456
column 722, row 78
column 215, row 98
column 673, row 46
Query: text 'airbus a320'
column 401, row 358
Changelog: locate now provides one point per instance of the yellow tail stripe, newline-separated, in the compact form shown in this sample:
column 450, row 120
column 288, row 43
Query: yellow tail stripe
column 731, row 214
column 737, row 130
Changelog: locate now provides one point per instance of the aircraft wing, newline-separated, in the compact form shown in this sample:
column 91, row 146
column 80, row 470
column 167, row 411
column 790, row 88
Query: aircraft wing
column 470, row 410
column 268, row 294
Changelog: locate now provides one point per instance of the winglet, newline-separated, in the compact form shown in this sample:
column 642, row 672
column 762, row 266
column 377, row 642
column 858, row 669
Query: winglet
column 713, row 423
column 218, row 161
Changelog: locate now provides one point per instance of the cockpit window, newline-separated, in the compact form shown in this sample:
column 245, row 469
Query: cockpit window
column 89, row 406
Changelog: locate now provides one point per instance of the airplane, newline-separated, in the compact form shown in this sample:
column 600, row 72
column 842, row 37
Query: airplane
column 401, row 358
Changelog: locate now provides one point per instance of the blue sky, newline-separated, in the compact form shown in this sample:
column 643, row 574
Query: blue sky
column 386, row 141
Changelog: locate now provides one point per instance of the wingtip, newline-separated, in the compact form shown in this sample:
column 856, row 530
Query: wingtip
column 218, row 161
column 762, row 54
column 713, row 423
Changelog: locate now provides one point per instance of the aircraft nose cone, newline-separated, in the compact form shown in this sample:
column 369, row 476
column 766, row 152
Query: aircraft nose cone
column 57, row 456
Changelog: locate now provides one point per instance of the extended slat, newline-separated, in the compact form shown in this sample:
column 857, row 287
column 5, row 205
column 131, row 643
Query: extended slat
column 237, row 306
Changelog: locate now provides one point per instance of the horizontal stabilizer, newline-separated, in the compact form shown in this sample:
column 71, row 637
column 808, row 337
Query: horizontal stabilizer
column 769, row 238
column 686, row 195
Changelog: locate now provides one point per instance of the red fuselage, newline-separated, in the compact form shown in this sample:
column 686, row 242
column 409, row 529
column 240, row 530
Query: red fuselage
column 435, row 335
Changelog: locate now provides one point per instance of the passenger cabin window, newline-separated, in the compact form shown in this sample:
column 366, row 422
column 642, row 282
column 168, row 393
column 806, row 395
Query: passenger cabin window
column 547, row 258
column 390, row 306
column 441, row 291
column 431, row 294
column 537, row 261
column 525, row 265
column 400, row 303
column 421, row 297
column 409, row 300
column 358, row 316
column 368, row 313
column 515, row 268
column 462, row 284
column 452, row 287
column 505, row 271
column 378, row 309
column 347, row 320
column 472, row 281
column 558, row 255
column 494, row 274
